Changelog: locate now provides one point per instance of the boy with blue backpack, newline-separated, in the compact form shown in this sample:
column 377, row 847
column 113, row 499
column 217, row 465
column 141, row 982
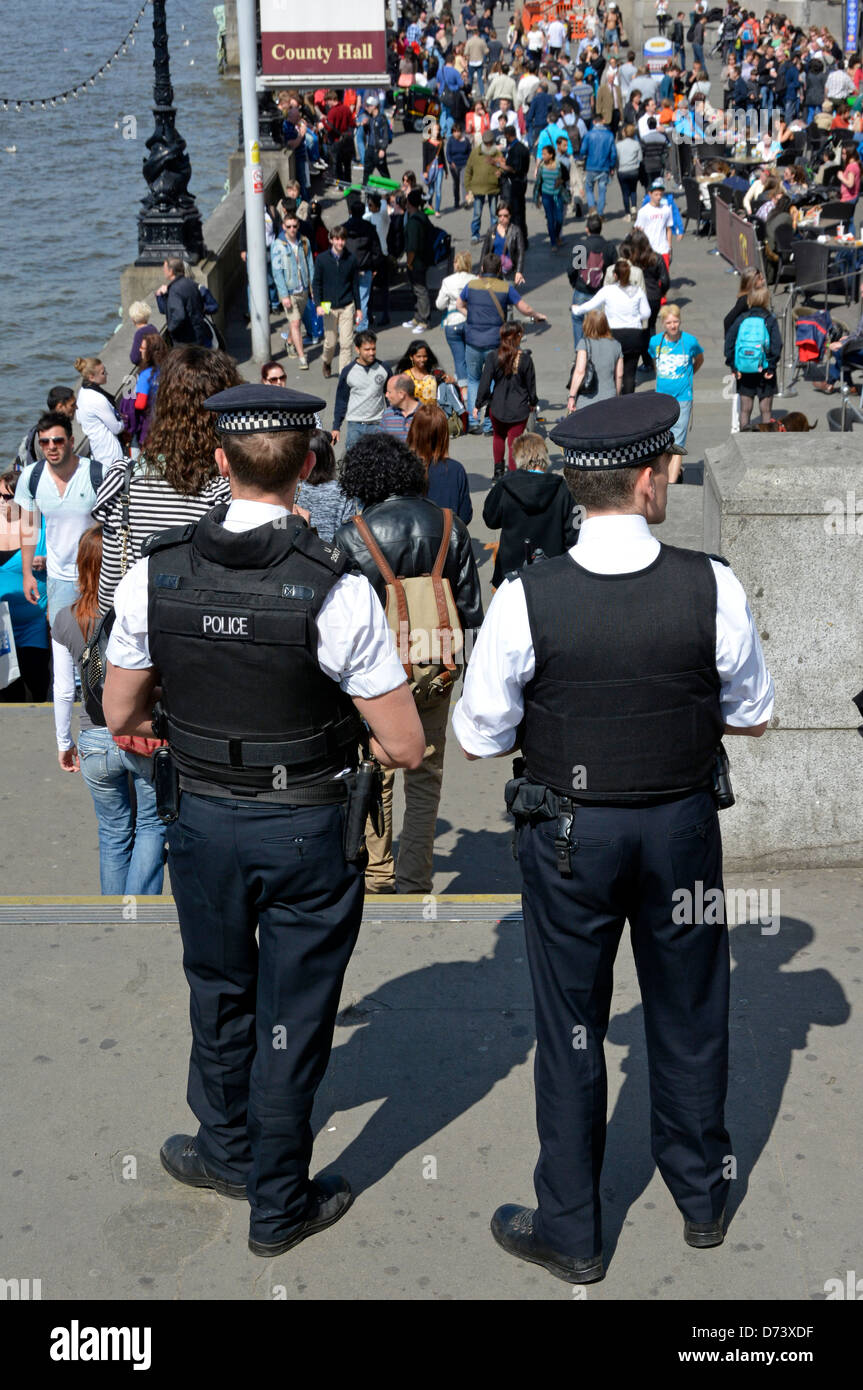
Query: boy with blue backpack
column 753, row 347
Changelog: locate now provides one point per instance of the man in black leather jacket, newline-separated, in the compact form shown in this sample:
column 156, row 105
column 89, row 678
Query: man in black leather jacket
column 389, row 481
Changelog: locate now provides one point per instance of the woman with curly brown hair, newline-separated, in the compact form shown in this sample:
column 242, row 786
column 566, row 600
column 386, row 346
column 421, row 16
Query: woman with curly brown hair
column 176, row 481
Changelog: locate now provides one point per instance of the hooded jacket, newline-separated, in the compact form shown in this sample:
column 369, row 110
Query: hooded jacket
column 532, row 507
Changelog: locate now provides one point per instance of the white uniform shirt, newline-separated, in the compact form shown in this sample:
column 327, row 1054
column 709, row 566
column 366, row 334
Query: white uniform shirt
column 355, row 644
column 503, row 662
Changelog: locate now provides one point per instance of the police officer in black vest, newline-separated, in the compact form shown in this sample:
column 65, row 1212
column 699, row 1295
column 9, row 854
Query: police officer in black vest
column 267, row 655
column 618, row 667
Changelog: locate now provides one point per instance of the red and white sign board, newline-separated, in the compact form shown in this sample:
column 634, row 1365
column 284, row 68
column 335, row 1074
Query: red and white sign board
column 324, row 41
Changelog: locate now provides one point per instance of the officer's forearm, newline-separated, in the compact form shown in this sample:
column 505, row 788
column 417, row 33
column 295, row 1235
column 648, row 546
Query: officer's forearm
column 128, row 700
column 398, row 737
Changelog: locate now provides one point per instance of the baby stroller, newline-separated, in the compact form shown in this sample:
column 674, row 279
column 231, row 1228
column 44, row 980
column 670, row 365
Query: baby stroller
column 414, row 104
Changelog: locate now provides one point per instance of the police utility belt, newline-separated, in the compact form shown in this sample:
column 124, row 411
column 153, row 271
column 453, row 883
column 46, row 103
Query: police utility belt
column 532, row 802
column 360, row 790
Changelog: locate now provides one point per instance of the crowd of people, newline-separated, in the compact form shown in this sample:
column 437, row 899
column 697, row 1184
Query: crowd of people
column 566, row 106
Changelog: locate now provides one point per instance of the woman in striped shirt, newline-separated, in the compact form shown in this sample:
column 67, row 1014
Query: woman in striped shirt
column 177, row 480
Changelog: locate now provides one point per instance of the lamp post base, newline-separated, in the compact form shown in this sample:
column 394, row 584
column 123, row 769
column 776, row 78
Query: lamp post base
column 164, row 235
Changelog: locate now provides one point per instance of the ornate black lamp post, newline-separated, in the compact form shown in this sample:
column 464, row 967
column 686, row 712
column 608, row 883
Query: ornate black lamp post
column 269, row 117
column 169, row 223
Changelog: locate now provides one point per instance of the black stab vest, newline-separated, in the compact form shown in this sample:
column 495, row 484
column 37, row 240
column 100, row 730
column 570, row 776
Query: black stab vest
column 233, row 634
column 624, row 702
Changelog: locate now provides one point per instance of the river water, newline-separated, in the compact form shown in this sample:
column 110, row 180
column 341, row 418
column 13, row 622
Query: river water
column 70, row 191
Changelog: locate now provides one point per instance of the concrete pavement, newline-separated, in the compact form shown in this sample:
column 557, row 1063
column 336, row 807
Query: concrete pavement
column 426, row 1108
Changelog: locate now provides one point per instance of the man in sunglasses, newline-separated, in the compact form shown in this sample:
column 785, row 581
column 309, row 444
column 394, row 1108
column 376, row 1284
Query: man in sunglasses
column 61, row 488
column 60, row 398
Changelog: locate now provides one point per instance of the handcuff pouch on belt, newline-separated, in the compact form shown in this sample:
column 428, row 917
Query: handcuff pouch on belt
column 531, row 802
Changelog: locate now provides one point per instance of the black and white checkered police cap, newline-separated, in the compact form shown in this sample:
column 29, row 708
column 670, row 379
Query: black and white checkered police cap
column 623, row 432
column 257, row 409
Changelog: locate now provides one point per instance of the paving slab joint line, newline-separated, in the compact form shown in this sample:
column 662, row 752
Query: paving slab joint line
column 390, row 899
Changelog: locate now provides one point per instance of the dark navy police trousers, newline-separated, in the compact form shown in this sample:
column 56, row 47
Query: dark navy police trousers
column 627, row 863
column 262, row 1014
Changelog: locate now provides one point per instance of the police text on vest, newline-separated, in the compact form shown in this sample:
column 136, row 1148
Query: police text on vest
column 226, row 625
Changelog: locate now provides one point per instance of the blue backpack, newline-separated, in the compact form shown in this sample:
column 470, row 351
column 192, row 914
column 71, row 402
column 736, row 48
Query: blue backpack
column 441, row 247
column 750, row 347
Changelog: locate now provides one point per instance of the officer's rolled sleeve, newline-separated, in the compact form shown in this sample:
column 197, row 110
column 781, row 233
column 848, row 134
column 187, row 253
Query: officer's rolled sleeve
column 746, row 695
column 492, row 706
column 355, row 644
column 128, row 645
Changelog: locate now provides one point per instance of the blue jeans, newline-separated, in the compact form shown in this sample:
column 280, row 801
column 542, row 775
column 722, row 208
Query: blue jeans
column 553, row 208
column 475, row 361
column 435, row 186
column 61, row 592
column 131, row 856
column 840, row 359
column 355, row 429
column 301, row 169
column 596, row 179
column 474, row 70
column 447, row 120
column 365, row 283
column 698, row 56
column 479, row 202
column 792, row 106
column 361, row 143
column 455, row 338
column 811, row 113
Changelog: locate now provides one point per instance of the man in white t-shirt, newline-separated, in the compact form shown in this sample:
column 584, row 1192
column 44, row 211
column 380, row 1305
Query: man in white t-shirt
column 556, row 37
column 64, row 493
column 655, row 220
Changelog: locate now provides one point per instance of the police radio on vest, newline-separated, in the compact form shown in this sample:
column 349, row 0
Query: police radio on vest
column 224, row 625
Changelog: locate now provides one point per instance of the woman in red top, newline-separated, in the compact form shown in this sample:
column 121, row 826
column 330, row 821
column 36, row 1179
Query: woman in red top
column 477, row 121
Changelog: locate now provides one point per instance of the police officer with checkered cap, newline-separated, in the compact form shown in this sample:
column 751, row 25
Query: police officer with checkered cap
column 268, row 656
column 617, row 669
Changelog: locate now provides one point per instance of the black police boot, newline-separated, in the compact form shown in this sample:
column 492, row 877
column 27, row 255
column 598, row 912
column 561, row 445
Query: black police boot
column 512, row 1228
column 329, row 1199
column 704, row 1234
column 181, row 1159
